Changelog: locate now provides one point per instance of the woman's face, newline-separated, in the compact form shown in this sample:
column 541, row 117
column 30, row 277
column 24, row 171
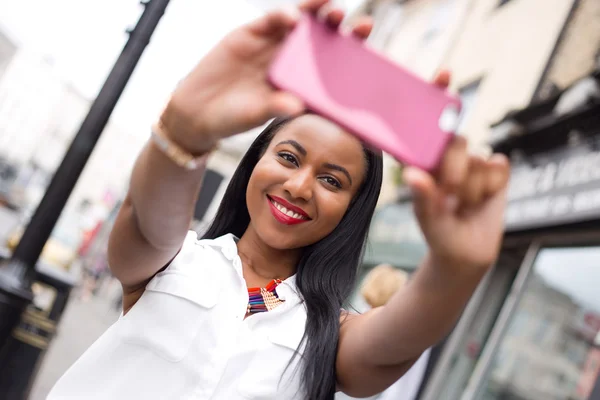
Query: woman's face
column 301, row 188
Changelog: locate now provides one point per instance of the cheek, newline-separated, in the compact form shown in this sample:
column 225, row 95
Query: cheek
column 253, row 190
column 333, row 207
column 253, row 198
column 260, row 175
column 263, row 175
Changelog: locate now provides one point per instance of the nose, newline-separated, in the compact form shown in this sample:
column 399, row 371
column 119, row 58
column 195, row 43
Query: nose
column 300, row 184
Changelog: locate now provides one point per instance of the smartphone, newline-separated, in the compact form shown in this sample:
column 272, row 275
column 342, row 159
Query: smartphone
column 340, row 78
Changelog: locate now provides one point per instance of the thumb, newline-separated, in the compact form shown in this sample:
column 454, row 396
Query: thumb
column 442, row 79
column 283, row 104
column 425, row 193
column 276, row 22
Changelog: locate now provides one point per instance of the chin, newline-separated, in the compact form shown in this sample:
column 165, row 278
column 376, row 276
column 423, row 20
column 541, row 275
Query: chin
column 279, row 241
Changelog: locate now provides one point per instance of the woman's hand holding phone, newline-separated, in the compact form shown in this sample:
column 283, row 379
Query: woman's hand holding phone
column 228, row 92
column 460, row 206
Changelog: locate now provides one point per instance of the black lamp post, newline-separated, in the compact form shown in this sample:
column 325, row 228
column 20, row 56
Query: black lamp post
column 18, row 273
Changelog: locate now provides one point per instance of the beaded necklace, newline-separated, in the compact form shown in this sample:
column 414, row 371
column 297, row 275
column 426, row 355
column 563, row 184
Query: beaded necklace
column 263, row 299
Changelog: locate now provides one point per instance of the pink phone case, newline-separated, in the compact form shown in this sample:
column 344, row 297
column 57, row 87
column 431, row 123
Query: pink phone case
column 340, row 78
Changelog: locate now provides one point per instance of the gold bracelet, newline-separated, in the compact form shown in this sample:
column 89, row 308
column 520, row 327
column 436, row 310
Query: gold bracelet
column 175, row 153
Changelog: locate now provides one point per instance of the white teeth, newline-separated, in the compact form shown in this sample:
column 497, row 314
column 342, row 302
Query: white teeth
column 287, row 212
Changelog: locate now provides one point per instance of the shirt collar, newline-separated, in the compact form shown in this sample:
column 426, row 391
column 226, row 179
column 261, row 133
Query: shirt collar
column 228, row 246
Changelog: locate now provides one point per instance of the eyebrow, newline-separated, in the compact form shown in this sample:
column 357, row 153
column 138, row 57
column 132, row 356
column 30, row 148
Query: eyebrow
column 295, row 145
column 339, row 168
column 303, row 151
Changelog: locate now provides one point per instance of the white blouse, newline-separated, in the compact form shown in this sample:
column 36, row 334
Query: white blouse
column 186, row 337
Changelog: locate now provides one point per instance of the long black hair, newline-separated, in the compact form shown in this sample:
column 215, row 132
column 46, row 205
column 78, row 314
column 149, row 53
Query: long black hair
column 326, row 272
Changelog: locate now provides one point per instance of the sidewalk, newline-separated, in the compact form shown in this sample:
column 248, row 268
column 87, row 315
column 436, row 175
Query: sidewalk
column 82, row 323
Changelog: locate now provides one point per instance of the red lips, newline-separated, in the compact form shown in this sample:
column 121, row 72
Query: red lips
column 281, row 213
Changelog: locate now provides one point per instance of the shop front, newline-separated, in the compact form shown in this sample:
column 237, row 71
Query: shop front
column 532, row 330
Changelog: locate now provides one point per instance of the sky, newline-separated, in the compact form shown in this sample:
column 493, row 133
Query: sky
column 85, row 37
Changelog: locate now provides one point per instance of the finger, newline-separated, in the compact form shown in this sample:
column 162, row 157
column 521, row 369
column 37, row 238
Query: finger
column 335, row 17
column 473, row 189
column 497, row 174
column 424, row 192
column 283, row 104
column 312, row 6
column 442, row 79
column 363, row 27
column 331, row 15
column 454, row 165
column 372, row 148
column 280, row 20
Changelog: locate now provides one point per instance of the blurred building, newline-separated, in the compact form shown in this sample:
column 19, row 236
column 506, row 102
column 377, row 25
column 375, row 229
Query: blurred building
column 30, row 91
column 576, row 52
column 542, row 343
column 497, row 53
column 39, row 116
column 7, row 51
column 534, row 334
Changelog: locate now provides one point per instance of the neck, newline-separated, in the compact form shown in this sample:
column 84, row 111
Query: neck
column 264, row 262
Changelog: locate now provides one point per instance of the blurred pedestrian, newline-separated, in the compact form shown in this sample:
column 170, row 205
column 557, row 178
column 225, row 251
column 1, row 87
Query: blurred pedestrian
column 378, row 287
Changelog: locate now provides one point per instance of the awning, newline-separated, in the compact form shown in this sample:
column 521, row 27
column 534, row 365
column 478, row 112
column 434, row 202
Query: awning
column 395, row 238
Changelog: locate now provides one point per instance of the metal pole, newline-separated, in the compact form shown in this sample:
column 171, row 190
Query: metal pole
column 17, row 274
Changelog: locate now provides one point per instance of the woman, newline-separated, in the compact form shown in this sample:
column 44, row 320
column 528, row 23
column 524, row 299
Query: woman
column 286, row 240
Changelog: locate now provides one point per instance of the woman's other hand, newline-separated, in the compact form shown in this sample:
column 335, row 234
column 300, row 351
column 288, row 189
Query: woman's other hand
column 460, row 207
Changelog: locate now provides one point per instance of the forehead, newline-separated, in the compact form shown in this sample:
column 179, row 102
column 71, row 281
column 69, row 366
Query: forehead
column 323, row 139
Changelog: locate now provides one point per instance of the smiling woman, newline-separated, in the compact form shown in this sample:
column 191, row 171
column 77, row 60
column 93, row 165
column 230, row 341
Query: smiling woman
column 253, row 310
column 311, row 168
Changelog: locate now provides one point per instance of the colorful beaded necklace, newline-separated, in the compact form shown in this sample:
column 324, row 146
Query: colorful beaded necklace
column 263, row 299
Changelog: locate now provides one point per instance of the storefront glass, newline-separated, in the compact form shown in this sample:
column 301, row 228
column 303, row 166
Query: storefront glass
column 468, row 352
column 551, row 349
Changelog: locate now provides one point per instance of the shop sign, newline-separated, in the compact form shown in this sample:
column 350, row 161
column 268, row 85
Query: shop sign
column 554, row 188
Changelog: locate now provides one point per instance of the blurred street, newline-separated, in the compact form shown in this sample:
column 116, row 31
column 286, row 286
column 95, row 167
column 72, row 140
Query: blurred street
column 82, row 323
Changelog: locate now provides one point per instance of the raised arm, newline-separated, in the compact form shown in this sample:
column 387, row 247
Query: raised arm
column 154, row 217
column 461, row 214
column 225, row 94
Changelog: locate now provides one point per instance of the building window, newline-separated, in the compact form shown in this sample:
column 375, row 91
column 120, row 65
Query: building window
column 468, row 98
column 558, row 294
column 441, row 16
column 387, row 17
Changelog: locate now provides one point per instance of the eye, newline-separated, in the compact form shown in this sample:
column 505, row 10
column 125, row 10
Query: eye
column 331, row 181
column 289, row 157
